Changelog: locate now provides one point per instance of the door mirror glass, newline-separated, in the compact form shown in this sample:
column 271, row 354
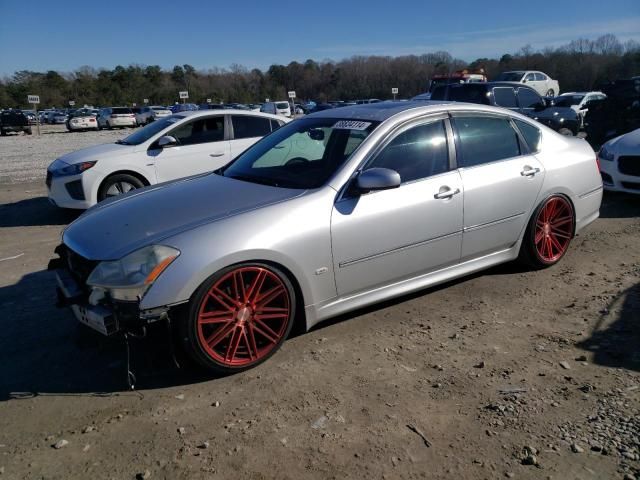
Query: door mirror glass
column 167, row 141
column 377, row 179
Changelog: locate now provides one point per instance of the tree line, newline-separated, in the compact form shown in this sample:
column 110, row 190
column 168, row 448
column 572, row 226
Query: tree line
column 582, row 64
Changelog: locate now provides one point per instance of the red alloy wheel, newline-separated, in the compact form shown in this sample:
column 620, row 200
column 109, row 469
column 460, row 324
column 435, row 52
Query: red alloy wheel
column 244, row 316
column 553, row 229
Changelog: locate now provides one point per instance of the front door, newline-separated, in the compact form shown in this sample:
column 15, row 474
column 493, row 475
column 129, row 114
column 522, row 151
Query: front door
column 389, row 235
column 202, row 147
column 501, row 182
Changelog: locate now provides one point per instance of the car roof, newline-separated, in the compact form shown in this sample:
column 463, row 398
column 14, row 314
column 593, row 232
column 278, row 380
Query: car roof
column 376, row 111
column 226, row 111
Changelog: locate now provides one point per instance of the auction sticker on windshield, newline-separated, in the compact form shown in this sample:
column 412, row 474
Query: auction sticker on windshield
column 351, row 125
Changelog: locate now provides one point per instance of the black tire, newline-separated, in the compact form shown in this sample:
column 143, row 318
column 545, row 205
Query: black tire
column 114, row 180
column 529, row 254
column 189, row 323
column 550, row 93
column 3, row 132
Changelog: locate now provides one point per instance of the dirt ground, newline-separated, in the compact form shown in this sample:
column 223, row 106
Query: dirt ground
column 506, row 374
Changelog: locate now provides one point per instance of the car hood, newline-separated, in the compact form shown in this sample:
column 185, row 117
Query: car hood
column 116, row 227
column 627, row 143
column 553, row 112
column 96, row 153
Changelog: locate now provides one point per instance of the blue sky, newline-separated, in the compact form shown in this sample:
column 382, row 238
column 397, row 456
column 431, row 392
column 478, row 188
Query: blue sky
column 64, row 35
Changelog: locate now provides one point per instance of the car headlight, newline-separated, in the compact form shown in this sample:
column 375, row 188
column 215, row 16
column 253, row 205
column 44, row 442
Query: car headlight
column 130, row 277
column 605, row 154
column 61, row 169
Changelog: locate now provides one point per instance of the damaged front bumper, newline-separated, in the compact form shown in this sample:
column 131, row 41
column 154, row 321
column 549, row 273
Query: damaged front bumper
column 107, row 316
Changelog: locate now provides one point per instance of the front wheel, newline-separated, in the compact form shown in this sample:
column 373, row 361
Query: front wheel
column 549, row 233
column 117, row 185
column 550, row 93
column 239, row 317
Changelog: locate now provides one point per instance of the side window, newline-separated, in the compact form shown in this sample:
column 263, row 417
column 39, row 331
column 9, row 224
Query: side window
column 416, row 153
column 504, row 97
column 485, row 139
column 530, row 133
column 275, row 124
column 247, row 126
column 528, row 98
column 203, row 130
column 540, row 76
column 530, row 77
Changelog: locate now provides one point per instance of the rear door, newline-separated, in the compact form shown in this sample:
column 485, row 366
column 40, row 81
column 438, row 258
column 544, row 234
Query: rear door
column 529, row 101
column 501, row 179
column 505, row 97
column 247, row 130
column 203, row 146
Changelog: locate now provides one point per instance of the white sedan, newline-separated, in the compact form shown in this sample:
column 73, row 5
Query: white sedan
column 82, row 122
column 181, row 145
column 619, row 161
column 539, row 81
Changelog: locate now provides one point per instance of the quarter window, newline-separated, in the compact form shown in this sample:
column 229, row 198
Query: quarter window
column 203, row 130
column 530, row 133
column 504, row 97
column 416, row 153
column 247, row 126
column 485, row 139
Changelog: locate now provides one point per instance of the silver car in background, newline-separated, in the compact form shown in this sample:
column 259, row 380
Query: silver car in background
column 332, row 212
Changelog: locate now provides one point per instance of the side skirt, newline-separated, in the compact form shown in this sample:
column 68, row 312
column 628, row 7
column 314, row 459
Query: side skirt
column 339, row 305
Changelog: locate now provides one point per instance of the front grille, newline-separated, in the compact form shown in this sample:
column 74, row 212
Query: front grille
column 48, row 180
column 631, row 185
column 77, row 265
column 629, row 165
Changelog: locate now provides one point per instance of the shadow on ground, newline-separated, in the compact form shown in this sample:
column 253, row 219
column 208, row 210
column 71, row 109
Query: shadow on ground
column 620, row 205
column 615, row 340
column 43, row 349
column 34, row 212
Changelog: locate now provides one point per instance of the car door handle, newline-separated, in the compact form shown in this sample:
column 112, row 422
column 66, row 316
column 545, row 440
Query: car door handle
column 216, row 154
column 529, row 172
column 446, row 192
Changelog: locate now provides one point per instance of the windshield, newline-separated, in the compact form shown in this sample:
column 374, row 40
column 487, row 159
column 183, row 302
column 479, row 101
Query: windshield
column 302, row 154
column 120, row 111
column 282, row 105
column 509, row 77
column 150, row 130
column 567, row 100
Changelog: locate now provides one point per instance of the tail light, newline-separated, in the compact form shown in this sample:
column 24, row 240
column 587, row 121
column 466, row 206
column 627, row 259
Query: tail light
column 598, row 162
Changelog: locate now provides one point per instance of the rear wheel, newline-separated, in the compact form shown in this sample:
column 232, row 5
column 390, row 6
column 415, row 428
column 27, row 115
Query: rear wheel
column 550, row 93
column 549, row 233
column 117, row 185
column 239, row 317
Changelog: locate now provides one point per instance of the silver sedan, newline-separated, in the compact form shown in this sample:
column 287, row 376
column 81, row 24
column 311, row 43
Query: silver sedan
column 332, row 212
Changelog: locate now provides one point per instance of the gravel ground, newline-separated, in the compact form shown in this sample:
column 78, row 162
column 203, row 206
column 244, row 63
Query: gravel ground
column 504, row 374
column 26, row 157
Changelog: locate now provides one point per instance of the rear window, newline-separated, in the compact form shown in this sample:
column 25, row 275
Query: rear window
column 120, row 111
column 282, row 105
column 472, row 93
column 504, row 97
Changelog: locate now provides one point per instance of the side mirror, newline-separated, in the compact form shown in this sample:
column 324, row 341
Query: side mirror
column 316, row 134
column 377, row 179
column 167, row 141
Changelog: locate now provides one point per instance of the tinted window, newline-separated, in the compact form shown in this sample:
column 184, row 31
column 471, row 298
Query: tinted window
column 504, row 97
column 509, row 77
column 275, row 124
column 530, row 133
column 246, row 126
column 528, row 98
column 568, row 100
column 461, row 93
column 416, row 153
column 485, row 139
column 540, row 76
column 200, row 131
column 530, row 77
